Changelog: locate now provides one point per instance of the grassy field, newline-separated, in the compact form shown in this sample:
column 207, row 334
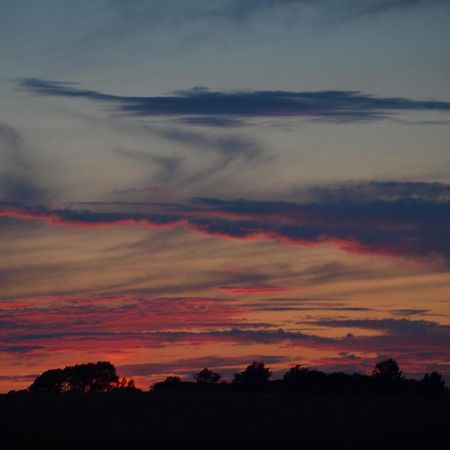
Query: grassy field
column 223, row 421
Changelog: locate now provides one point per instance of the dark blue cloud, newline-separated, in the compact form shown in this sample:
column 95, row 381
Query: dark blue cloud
column 20, row 348
column 224, row 122
column 401, row 226
column 397, row 227
column 200, row 102
column 381, row 190
column 345, row 210
column 403, row 327
column 410, row 312
column 160, row 337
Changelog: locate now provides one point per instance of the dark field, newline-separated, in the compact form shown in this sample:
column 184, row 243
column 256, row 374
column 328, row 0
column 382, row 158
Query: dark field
column 223, row 421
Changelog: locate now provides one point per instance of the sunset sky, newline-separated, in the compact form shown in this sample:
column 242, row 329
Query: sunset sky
column 204, row 183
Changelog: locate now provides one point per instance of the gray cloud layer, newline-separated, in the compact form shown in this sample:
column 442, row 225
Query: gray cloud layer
column 416, row 224
column 202, row 103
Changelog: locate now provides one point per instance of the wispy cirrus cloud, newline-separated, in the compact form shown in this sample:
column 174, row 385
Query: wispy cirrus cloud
column 333, row 105
column 238, row 10
column 374, row 7
column 45, row 326
column 92, row 325
column 419, row 341
column 257, row 289
column 106, row 23
column 187, row 366
column 19, row 178
column 129, row 314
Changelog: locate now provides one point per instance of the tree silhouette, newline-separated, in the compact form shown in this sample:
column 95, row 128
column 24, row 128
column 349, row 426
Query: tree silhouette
column 433, row 383
column 298, row 378
column 206, row 376
column 294, row 374
column 387, row 370
column 387, row 378
column 99, row 377
column 90, row 377
column 255, row 376
column 53, row 380
column 171, row 383
column 127, row 384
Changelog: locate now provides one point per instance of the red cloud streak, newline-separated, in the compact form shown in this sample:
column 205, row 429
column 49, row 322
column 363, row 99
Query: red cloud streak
column 212, row 223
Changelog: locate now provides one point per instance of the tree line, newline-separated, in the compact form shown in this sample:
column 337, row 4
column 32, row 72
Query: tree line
column 386, row 378
column 101, row 377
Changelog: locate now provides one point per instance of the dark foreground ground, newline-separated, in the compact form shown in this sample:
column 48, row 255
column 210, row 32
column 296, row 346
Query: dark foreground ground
column 223, row 421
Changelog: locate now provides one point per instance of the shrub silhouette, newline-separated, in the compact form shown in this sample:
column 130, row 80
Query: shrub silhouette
column 90, row 377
